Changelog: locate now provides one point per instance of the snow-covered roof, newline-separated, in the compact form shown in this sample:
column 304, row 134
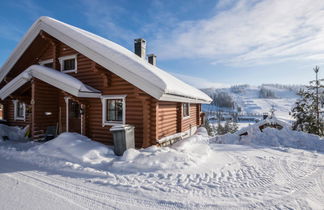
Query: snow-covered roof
column 119, row 60
column 55, row 78
column 272, row 120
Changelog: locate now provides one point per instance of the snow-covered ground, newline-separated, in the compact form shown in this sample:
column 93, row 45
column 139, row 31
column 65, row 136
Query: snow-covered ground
column 270, row 170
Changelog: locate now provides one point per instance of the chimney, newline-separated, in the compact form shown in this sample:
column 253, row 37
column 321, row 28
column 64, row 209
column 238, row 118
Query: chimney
column 140, row 47
column 152, row 59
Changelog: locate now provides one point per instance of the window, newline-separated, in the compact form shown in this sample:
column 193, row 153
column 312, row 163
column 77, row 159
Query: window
column 19, row 110
column 185, row 110
column 48, row 63
column 113, row 110
column 74, row 109
column 68, row 63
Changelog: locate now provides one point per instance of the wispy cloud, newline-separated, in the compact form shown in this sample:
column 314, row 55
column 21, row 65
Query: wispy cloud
column 200, row 82
column 250, row 33
column 32, row 9
column 105, row 15
column 11, row 28
column 9, row 31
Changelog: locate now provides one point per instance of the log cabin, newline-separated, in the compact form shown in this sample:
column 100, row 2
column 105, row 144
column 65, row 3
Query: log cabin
column 60, row 75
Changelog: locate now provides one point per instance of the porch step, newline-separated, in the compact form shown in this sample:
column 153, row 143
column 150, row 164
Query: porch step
column 38, row 135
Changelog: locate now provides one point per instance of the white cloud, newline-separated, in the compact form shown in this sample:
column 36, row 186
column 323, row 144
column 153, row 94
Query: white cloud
column 199, row 82
column 31, row 8
column 250, row 33
column 9, row 31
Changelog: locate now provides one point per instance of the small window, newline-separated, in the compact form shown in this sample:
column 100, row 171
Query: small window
column 68, row 63
column 19, row 110
column 113, row 110
column 186, row 110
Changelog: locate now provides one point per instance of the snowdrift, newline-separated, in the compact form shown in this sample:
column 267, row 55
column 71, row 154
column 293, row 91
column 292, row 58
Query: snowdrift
column 75, row 148
column 11, row 133
column 77, row 152
column 187, row 153
column 72, row 150
column 271, row 137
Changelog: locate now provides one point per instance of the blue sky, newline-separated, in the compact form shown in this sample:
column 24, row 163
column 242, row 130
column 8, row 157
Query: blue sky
column 204, row 42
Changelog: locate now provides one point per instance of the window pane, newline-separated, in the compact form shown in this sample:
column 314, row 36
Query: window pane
column 20, row 109
column 114, row 110
column 111, row 110
column 74, row 111
column 69, row 64
column 185, row 110
column 119, row 105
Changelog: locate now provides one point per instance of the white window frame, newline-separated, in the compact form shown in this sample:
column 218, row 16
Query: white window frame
column 15, row 102
column 68, row 57
column 185, row 117
column 42, row 63
column 104, row 109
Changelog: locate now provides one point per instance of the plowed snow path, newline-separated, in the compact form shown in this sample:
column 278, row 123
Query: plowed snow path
column 235, row 176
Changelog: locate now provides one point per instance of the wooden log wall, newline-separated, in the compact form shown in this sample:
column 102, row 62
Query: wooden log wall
column 170, row 120
column 8, row 114
column 167, row 119
column 45, row 99
column 191, row 121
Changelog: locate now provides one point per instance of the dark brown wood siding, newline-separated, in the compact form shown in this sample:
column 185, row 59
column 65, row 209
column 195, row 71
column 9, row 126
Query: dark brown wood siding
column 45, row 101
column 9, row 115
column 167, row 119
column 170, row 120
column 191, row 121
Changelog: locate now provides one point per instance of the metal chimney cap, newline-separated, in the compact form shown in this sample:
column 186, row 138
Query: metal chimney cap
column 139, row 40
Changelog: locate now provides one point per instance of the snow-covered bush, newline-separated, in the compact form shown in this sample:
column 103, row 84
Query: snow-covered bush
column 11, row 133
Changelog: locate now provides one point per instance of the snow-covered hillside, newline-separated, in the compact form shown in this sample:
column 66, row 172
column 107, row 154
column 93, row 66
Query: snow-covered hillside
column 270, row 170
column 249, row 101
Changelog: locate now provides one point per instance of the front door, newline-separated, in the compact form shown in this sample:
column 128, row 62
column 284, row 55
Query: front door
column 74, row 116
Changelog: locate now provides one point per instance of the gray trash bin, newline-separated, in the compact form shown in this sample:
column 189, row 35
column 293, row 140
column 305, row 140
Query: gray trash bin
column 123, row 138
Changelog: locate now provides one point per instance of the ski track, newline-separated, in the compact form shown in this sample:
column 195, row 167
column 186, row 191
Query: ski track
column 271, row 181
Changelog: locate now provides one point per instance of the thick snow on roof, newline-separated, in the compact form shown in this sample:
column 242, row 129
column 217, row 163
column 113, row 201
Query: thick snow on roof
column 55, row 78
column 272, row 120
column 119, row 60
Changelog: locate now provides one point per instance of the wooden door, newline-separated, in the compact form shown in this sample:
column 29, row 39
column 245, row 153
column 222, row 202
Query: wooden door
column 74, row 116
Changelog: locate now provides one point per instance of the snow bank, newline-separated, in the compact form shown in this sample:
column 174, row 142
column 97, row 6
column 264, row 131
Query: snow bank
column 72, row 150
column 271, row 137
column 189, row 152
column 74, row 147
column 11, row 133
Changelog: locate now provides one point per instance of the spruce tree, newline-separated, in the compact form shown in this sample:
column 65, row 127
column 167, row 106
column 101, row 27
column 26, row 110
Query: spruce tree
column 306, row 109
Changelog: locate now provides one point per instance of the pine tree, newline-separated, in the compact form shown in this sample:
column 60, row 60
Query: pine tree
column 306, row 109
column 209, row 128
column 229, row 127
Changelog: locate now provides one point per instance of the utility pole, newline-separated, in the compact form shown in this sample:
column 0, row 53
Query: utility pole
column 316, row 70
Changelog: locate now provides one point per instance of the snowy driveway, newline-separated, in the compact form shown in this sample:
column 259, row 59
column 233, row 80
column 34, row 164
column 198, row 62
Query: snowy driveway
column 232, row 176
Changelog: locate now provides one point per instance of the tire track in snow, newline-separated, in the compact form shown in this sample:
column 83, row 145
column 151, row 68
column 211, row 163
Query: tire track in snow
column 69, row 195
column 96, row 197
